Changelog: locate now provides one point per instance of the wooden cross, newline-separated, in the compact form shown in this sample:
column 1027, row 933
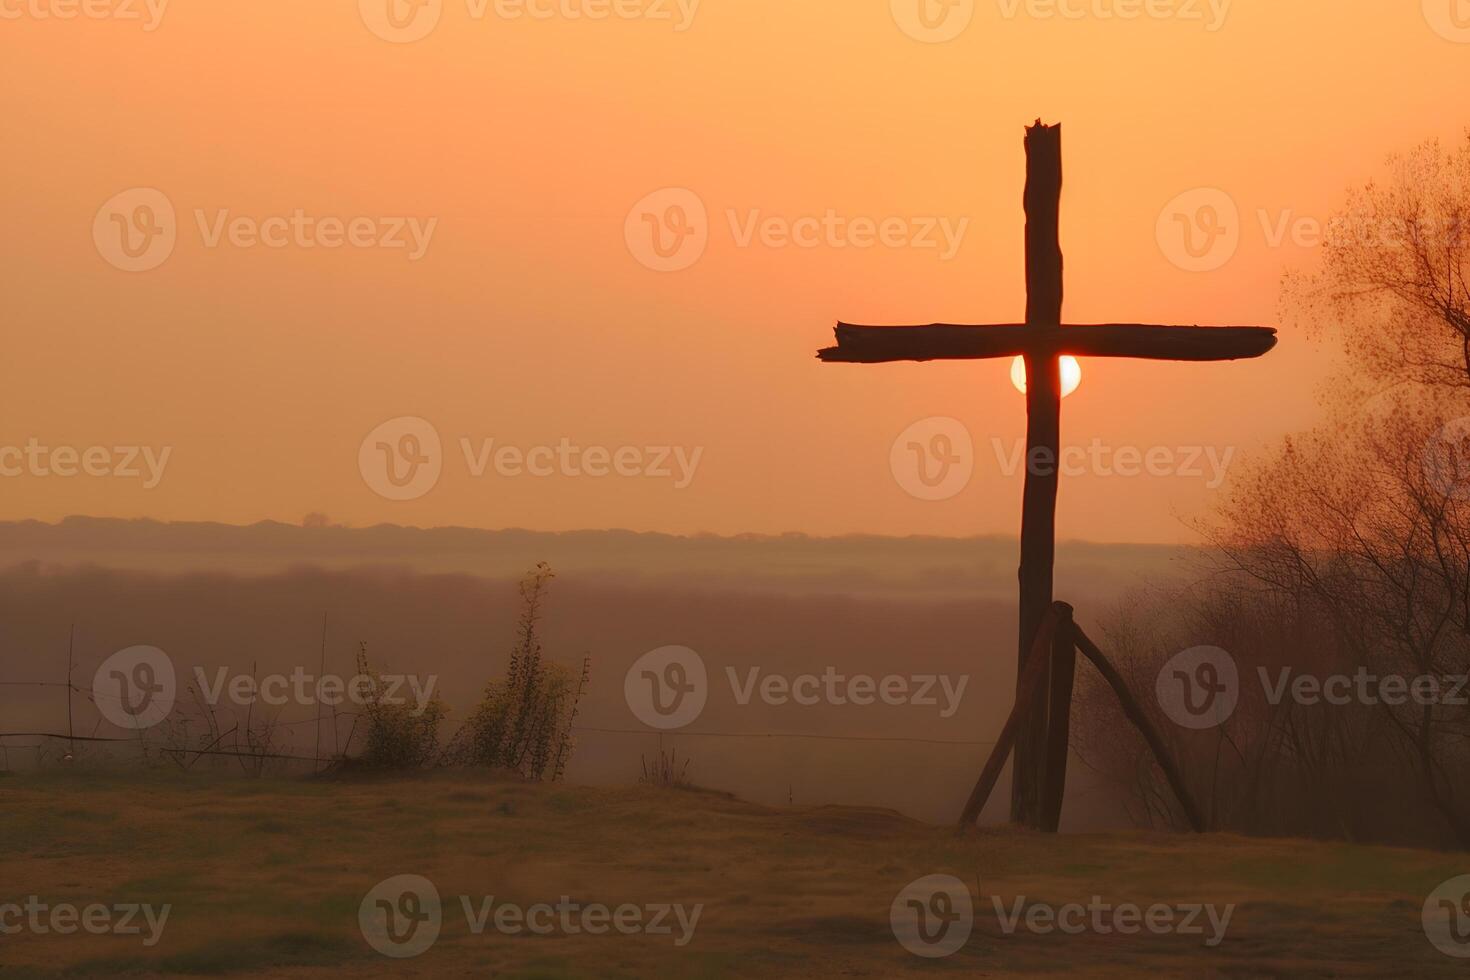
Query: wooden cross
column 1041, row 340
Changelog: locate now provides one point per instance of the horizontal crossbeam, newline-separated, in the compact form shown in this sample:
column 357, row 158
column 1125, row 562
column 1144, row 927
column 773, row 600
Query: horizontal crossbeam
column 947, row 342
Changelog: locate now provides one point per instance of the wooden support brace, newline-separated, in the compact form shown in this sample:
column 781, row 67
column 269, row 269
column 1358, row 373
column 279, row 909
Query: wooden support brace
column 1145, row 727
column 1029, row 687
column 1050, row 669
column 1058, row 718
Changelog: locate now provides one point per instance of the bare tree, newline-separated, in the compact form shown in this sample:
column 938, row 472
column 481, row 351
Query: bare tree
column 1346, row 551
column 1392, row 278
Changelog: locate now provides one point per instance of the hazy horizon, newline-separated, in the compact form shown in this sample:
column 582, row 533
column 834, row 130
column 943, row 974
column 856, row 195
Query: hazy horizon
column 798, row 564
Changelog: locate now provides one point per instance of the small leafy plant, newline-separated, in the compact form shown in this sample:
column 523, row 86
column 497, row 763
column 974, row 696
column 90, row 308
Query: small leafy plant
column 523, row 721
column 398, row 734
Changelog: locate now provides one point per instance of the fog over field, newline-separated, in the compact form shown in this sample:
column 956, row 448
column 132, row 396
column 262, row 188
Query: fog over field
column 442, row 604
column 866, row 565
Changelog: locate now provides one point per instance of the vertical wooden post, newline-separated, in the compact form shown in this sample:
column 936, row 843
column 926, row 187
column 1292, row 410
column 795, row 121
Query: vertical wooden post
column 71, row 646
column 1033, row 682
column 1043, row 438
column 1059, row 718
column 316, row 752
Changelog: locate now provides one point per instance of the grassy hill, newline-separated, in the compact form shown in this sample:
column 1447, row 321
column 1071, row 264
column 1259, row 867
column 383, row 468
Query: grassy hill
column 266, row 879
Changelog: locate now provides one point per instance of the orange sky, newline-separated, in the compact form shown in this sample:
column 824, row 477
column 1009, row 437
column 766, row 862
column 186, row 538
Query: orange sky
column 520, row 146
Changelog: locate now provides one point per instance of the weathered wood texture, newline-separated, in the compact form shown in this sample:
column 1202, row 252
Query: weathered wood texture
column 858, row 344
column 1045, row 687
column 1040, row 734
column 1043, row 435
column 1060, row 679
column 1030, row 682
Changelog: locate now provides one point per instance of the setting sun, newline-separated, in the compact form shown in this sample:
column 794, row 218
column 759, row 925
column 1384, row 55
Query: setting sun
column 1071, row 374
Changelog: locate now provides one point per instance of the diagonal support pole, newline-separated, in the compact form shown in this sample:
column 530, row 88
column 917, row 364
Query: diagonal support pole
column 1029, row 685
column 1058, row 629
column 1145, row 728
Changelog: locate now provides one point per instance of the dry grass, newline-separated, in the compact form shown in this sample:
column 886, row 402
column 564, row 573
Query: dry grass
column 265, row 879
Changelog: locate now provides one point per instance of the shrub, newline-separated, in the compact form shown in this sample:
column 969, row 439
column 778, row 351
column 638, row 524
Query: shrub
column 399, row 734
column 524, row 720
